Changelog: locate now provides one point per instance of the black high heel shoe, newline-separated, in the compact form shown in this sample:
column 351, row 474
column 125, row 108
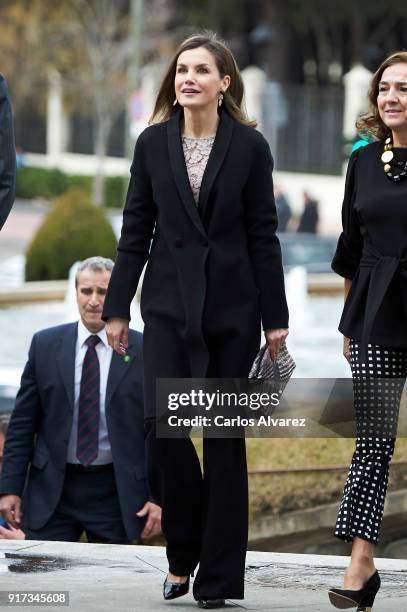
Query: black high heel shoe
column 172, row 590
column 211, row 603
column 363, row 598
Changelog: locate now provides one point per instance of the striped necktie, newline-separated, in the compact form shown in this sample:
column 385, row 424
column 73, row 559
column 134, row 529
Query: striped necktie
column 89, row 405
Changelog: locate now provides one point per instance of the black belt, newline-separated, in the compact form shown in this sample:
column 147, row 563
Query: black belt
column 383, row 269
column 79, row 467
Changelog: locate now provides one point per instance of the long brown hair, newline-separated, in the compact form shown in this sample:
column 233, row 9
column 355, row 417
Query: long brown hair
column 371, row 122
column 226, row 64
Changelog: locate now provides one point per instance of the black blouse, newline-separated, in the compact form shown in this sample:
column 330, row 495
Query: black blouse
column 372, row 250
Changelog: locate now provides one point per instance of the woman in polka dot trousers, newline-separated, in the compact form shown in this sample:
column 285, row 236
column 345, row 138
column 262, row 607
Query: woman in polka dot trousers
column 372, row 257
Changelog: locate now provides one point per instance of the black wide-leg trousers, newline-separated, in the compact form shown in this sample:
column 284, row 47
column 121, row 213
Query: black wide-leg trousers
column 204, row 516
column 204, row 512
column 377, row 385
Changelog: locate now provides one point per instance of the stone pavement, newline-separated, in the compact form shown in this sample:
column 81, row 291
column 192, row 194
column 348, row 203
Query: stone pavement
column 20, row 227
column 129, row 578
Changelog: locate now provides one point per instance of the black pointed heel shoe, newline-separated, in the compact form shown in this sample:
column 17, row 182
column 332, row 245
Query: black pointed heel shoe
column 211, row 603
column 363, row 599
column 172, row 590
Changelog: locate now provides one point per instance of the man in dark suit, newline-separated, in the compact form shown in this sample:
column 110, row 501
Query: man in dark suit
column 7, row 154
column 78, row 426
column 7, row 532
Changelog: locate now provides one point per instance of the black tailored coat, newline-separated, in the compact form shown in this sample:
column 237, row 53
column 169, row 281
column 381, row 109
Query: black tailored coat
column 372, row 250
column 7, row 154
column 214, row 270
column 37, row 439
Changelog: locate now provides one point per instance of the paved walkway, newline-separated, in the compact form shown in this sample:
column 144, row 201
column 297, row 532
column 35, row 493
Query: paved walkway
column 20, row 227
column 22, row 224
column 106, row 577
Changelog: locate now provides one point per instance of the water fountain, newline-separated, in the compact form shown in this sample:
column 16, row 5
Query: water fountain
column 314, row 340
column 19, row 322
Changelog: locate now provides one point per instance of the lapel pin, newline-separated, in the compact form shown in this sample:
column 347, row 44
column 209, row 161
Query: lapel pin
column 126, row 358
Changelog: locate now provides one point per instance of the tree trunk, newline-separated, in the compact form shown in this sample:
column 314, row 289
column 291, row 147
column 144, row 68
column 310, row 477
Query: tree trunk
column 102, row 131
column 357, row 36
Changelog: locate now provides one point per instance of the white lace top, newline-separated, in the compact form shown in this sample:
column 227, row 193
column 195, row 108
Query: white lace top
column 196, row 153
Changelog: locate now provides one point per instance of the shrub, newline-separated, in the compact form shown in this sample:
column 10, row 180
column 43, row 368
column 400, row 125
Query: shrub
column 83, row 182
column 43, row 183
column 114, row 191
column 73, row 230
column 57, row 182
column 32, row 183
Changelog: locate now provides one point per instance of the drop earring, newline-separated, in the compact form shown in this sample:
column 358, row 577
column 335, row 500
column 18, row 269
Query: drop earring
column 220, row 99
column 175, row 102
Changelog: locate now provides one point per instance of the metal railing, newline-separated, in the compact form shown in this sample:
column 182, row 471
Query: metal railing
column 308, row 469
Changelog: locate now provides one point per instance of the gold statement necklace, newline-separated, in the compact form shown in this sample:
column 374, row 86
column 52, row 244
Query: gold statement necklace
column 395, row 170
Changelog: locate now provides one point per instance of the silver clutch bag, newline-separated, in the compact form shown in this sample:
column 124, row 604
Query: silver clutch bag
column 268, row 376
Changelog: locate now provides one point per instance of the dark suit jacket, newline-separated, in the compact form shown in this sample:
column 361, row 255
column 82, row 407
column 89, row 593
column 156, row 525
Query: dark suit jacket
column 41, row 422
column 213, row 270
column 7, row 154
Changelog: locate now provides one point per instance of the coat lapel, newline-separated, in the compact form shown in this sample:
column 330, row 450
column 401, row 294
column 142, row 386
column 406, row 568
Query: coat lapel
column 179, row 170
column 216, row 157
column 118, row 368
column 65, row 357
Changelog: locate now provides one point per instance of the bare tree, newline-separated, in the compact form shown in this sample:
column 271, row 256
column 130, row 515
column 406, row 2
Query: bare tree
column 23, row 51
column 88, row 41
column 99, row 33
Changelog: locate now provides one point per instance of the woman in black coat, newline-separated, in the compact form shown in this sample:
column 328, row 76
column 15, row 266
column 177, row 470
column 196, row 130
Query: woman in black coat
column 214, row 274
column 372, row 257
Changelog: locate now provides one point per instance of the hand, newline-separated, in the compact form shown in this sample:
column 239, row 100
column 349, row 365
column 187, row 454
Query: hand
column 117, row 331
column 346, row 351
column 10, row 508
column 153, row 524
column 11, row 534
column 275, row 338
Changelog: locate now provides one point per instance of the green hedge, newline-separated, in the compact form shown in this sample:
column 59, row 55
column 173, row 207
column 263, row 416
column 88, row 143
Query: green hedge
column 114, row 191
column 42, row 183
column 73, row 230
column 83, row 182
column 33, row 183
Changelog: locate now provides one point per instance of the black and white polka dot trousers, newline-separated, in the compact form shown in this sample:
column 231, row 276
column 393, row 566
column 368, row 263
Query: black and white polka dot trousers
column 377, row 387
